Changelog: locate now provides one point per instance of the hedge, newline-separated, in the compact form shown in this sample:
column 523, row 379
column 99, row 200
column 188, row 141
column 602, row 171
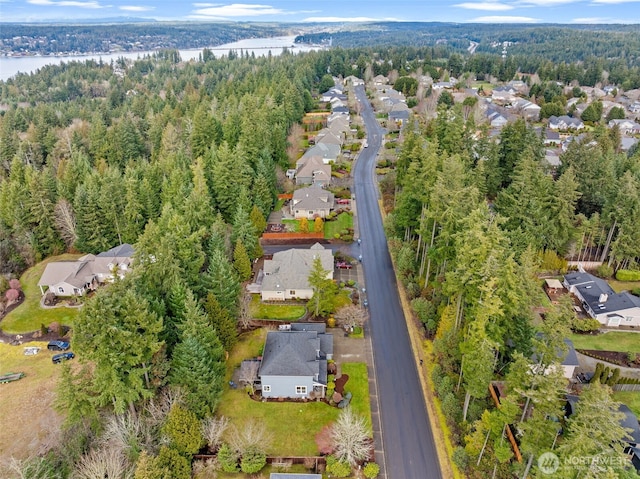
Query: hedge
column 627, row 275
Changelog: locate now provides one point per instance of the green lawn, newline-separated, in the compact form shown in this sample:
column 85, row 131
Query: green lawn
column 293, row 226
column 29, row 315
column 293, row 425
column 285, row 312
column 615, row 341
column 630, row 398
column 342, row 222
column 358, row 385
column 619, row 286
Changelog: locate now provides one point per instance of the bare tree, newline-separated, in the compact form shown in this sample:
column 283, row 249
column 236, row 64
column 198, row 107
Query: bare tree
column 351, row 316
column 101, row 463
column 65, row 220
column 245, row 316
column 126, row 433
column 212, row 430
column 250, row 435
column 159, row 406
column 351, row 438
column 249, row 373
column 31, row 468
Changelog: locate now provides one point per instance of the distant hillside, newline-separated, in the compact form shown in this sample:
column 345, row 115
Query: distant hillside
column 47, row 39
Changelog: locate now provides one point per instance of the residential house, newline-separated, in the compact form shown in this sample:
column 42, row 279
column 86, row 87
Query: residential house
column 286, row 275
column 333, row 92
column 311, row 202
column 634, row 107
column 626, row 127
column 339, row 126
column 328, row 152
column 313, row 171
column 626, row 143
column 529, row 110
column 340, row 110
column 76, row 278
column 294, row 362
column 503, row 94
column 568, row 360
column 564, row 123
column 551, row 138
column 380, row 80
column 496, row 119
column 443, row 85
column 552, row 157
column 629, row 421
column 398, row 118
column 601, row 302
column 354, row 80
column 328, row 136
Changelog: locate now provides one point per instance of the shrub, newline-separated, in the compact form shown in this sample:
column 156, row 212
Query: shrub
column 613, row 379
column 627, row 275
column 337, row 468
column 460, row 458
column 552, row 262
column 228, row 458
column 632, row 357
column 336, row 236
column 585, row 325
column 604, row 271
column 183, row 429
column 253, row 460
column 371, row 470
column 331, row 322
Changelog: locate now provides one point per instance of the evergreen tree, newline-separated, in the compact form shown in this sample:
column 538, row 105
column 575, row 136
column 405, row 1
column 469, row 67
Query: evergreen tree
column 324, row 289
column 198, row 361
column 221, row 280
column 241, row 262
column 222, row 322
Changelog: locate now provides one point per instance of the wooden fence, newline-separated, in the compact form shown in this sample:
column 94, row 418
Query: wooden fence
column 626, row 387
column 587, row 265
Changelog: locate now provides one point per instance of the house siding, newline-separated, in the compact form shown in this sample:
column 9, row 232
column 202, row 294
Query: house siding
column 286, row 294
column 285, row 386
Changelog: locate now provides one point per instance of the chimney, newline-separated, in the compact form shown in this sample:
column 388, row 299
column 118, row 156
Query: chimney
column 603, row 298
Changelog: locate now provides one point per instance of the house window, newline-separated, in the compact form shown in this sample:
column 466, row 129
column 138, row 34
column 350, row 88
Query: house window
column 292, row 292
column 266, row 389
column 60, row 289
column 628, row 318
column 301, row 389
column 76, row 291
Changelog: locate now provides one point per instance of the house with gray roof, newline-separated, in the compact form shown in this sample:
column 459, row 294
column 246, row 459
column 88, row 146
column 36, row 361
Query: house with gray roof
column 313, row 172
column 328, row 152
column 75, row 278
column 565, row 122
column 601, row 302
column 294, row 362
column 311, row 202
column 286, row 275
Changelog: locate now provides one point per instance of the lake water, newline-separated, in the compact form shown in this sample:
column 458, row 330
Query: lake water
column 9, row 66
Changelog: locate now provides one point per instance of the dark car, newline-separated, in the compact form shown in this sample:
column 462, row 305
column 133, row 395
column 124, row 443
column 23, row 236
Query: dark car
column 58, row 346
column 58, row 358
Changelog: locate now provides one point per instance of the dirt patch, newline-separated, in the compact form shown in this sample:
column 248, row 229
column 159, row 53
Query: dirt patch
column 614, row 357
column 340, row 383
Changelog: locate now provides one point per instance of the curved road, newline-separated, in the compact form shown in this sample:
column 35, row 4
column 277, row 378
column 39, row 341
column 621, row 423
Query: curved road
column 409, row 449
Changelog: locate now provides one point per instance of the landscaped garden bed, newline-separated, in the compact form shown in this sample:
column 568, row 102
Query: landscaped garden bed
column 613, row 357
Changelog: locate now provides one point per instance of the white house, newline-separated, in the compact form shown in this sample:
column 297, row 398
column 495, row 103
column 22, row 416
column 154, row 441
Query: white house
column 311, row 202
column 75, row 278
column 603, row 303
column 286, row 275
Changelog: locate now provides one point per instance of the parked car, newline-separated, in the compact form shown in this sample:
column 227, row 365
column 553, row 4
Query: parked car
column 58, row 358
column 58, row 345
column 343, row 201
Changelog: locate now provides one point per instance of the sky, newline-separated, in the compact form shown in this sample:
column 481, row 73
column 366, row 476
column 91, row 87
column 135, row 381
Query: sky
column 459, row 11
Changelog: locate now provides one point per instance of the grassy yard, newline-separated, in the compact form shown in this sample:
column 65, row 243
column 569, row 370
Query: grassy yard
column 29, row 315
column 615, row 341
column 292, row 226
column 358, row 385
column 630, row 398
column 342, row 222
column 293, row 425
column 285, row 312
column 619, row 286
column 27, row 405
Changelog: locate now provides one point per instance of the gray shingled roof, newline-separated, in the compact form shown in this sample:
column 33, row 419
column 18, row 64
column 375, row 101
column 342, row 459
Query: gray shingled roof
column 122, row 251
column 290, row 269
column 592, row 288
column 312, row 198
column 292, row 353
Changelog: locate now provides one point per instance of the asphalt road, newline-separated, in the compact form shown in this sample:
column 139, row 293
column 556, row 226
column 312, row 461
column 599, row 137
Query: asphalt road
column 408, row 443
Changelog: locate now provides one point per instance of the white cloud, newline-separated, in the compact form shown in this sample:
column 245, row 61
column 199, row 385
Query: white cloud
column 613, row 2
column 488, row 6
column 237, row 10
column 66, row 3
column 601, row 20
column 136, row 8
column 503, row 19
column 545, row 3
